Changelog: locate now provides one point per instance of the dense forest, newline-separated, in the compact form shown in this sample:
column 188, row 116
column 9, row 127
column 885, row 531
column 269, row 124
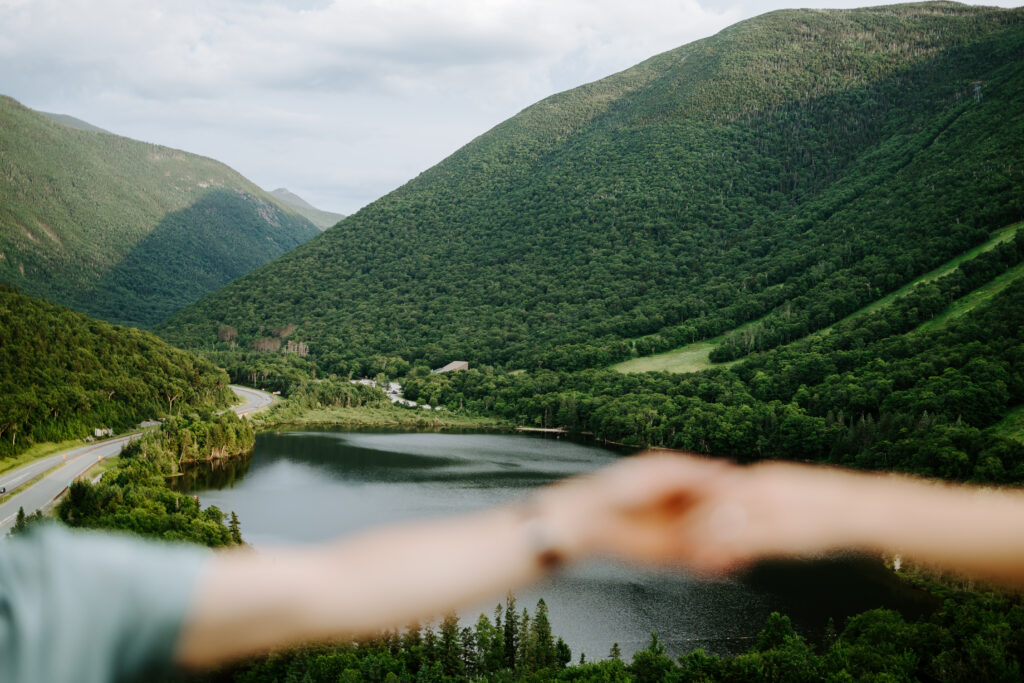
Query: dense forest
column 124, row 230
column 134, row 495
column 917, row 385
column 970, row 638
column 883, row 390
column 795, row 167
column 64, row 375
column 189, row 253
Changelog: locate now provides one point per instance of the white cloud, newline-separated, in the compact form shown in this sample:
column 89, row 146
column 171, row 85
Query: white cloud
column 354, row 95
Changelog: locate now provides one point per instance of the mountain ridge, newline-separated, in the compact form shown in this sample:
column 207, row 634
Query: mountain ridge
column 71, row 121
column 318, row 217
column 800, row 156
column 75, row 205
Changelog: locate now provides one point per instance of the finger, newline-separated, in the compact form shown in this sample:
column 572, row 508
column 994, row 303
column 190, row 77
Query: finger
column 665, row 477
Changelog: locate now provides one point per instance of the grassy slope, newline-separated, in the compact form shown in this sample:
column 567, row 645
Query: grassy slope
column 72, row 122
column 319, row 218
column 1011, row 426
column 690, row 358
column 75, row 205
column 800, row 153
column 695, row 357
column 998, row 237
column 967, row 303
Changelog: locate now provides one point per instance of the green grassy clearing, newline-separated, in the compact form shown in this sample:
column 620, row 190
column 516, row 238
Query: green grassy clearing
column 99, row 468
column 998, row 237
column 1011, row 426
column 689, row 358
column 972, row 300
column 695, row 357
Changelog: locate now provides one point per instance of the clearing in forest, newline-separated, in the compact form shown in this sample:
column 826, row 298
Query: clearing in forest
column 696, row 356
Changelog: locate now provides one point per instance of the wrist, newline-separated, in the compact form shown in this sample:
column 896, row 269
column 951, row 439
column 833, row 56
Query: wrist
column 557, row 526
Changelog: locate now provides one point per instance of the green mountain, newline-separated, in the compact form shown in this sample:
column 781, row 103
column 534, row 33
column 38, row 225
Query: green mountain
column 73, row 122
column 124, row 230
column 792, row 168
column 318, row 217
column 64, row 374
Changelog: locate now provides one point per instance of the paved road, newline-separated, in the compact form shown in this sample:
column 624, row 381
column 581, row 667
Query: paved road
column 70, row 464
column 253, row 400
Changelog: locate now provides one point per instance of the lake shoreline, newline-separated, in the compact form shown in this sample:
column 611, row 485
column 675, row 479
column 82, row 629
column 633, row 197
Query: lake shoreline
column 284, row 415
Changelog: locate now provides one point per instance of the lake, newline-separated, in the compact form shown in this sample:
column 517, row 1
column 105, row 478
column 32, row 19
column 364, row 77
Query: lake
column 302, row 487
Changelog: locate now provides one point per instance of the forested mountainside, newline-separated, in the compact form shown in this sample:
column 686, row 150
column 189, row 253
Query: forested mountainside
column 318, row 217
column 124, row 230
column 932, row 384
column 64, row 374
column 794, row 166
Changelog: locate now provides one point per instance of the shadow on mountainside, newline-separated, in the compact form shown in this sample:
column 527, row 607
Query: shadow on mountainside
column 192, row 252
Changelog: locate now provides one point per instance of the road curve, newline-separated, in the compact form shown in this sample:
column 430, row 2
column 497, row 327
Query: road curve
column 253, row 400
column 72, row 463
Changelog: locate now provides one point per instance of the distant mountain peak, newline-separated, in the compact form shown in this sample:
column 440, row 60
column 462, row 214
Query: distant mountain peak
column 72, row 122
column 320, row 218
column 286, row 195
column 126, row 230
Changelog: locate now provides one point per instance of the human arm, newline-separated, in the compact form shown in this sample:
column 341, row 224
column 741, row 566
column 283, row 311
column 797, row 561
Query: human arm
column 661, row 509
column 249, row 601
column 790, row 510
column 735, row 515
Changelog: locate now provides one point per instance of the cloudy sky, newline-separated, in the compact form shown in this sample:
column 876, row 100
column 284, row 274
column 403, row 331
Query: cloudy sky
column 340, row 101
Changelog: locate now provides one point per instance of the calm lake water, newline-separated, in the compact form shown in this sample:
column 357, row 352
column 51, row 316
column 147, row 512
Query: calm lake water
column 301, row 487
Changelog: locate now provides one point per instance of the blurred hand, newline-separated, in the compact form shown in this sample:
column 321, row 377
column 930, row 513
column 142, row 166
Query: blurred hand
column 710, row 516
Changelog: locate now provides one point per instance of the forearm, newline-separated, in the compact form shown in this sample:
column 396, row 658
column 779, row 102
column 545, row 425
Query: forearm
column 418, row 571
column 803, row 511
column 251, row 601
column 973, row 530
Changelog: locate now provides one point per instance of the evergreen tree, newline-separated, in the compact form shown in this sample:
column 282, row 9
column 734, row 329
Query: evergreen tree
column 23, row 522
column 490, row 642
column 412, row 646
column 430, row 649
column 563, row 653
column 525, row 659
column 236, row 529
column 651, row 665
column 777, row 629
column 450, row 645
column 511, row 631
column 543, row 639
column 471, row 656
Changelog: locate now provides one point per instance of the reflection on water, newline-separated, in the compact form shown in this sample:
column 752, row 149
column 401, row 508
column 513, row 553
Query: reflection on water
column 216, row 474
column 311, row 486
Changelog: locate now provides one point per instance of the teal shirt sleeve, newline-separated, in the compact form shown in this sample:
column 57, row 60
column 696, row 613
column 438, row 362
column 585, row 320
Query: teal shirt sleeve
column 91, row 607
